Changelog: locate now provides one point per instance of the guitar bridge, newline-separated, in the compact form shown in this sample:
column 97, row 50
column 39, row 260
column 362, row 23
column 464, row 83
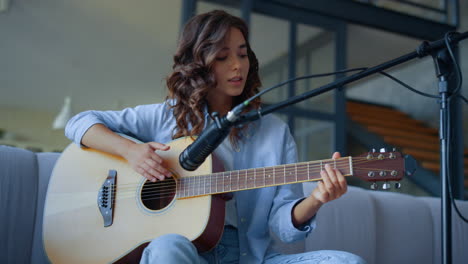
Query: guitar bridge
column 106, row 198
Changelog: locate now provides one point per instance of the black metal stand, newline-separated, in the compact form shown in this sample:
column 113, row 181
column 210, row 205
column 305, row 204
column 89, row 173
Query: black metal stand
column 443, row 70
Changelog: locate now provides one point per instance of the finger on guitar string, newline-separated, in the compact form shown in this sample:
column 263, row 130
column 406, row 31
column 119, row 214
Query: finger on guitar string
column 143, row 173
column 147, row 169
column 158, row 167
column 341, row 182
column 331, row 173
column 326, row 178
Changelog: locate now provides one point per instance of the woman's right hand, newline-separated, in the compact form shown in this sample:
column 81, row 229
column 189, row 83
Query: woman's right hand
column 143, row 159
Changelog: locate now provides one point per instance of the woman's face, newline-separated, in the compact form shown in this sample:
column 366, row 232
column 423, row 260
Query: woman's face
column 231, row 67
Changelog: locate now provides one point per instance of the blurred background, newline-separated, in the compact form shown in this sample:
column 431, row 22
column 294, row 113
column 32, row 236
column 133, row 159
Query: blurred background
column 61, row 57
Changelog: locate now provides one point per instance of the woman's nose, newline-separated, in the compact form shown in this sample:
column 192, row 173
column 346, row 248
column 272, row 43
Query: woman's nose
column 235, row 63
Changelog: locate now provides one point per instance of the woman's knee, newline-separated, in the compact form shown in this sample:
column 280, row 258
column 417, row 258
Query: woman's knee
column 171, row 248
column 344, row 257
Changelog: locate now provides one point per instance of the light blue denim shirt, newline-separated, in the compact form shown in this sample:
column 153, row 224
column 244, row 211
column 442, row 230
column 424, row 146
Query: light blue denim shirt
column 267, row 142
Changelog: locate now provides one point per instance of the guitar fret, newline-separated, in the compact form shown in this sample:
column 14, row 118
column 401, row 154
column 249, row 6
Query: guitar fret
column 258, row 177
column 284, row 174
column 216, row 183
column 230, row 181
column 274, row 176
column 224, row 184
column 251, row 182
column 246, row 179
column 296, row 171
column 190, row 192
column 200, row 179
column 197, row 184
column 237, row 180
column 255, row 177
column 204, row 184
column 228, row 186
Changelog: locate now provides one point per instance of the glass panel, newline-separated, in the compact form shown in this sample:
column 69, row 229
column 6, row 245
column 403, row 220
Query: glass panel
column 315, row 53
column 272, row 58
column 314, row 139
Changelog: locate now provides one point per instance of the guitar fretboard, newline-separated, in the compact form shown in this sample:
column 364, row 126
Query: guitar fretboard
column 232, row 181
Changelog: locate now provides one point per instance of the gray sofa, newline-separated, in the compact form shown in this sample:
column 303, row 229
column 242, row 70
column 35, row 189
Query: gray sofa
column 379, row 226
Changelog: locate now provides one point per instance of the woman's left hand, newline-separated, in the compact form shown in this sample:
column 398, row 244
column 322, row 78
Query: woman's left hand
column 333, row 184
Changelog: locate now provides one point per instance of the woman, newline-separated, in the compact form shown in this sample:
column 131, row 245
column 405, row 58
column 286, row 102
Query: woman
column 214, row 70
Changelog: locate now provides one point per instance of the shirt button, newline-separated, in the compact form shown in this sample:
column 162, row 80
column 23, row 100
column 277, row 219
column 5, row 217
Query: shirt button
column 243, row 220
column 244, row 254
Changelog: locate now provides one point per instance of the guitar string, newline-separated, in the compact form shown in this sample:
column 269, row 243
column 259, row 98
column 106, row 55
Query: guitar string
column 197, row 180
column 156, row 191
column 218, row 175
column 172, row 191
column 344, row 160
column 250, row 173
column 173, row 194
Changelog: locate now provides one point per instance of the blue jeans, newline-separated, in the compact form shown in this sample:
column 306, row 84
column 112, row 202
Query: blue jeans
column 177, row 249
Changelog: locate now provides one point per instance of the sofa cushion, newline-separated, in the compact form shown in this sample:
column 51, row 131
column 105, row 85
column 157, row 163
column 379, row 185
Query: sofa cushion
column 346, row 224
column 404, row 228
column 18, row 195
column 46, row 162
column 459, row 230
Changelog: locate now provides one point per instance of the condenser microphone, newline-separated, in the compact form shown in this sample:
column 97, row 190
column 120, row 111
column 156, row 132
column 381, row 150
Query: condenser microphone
column 195, row 154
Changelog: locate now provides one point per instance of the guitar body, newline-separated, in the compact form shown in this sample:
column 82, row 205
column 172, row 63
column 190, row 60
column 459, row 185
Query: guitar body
column 74, row 231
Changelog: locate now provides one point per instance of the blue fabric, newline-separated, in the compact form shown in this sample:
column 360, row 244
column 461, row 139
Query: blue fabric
column 267, row 142
column 178, row 249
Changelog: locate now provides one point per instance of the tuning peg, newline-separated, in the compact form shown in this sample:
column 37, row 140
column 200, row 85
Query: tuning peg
column 382, row 150
column 397, row 185
column 386, row 186
column 373, row 150
column 374, row 186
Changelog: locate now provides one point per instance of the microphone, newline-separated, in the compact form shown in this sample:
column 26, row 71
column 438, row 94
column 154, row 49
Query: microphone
column 195, row 154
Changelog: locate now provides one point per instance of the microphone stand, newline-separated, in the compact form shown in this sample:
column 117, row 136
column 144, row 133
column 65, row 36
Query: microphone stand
column 437, row 50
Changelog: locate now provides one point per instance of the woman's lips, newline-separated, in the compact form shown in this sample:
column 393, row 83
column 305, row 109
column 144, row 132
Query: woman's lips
column 236, row 80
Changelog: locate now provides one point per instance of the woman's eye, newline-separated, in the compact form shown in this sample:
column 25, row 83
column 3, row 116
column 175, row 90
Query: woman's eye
column 243, row 55
column 221, row 58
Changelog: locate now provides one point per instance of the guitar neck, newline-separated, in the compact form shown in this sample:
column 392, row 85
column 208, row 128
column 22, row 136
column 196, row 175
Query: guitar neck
column 239, row 180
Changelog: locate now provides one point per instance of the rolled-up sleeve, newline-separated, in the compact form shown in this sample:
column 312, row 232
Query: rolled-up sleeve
column 287, row 196
column 131, row 121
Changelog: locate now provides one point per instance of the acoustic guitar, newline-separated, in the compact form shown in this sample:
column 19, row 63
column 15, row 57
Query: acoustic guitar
column 99, row 210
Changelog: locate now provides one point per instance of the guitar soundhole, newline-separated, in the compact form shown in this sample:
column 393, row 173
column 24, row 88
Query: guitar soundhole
column 157, row 195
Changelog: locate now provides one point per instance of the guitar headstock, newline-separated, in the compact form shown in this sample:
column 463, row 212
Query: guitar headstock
column 383, row 166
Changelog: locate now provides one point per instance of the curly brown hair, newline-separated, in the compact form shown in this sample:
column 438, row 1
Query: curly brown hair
column 192, row 77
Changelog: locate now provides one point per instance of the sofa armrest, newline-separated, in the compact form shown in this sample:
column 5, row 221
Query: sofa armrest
column 18, row 195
